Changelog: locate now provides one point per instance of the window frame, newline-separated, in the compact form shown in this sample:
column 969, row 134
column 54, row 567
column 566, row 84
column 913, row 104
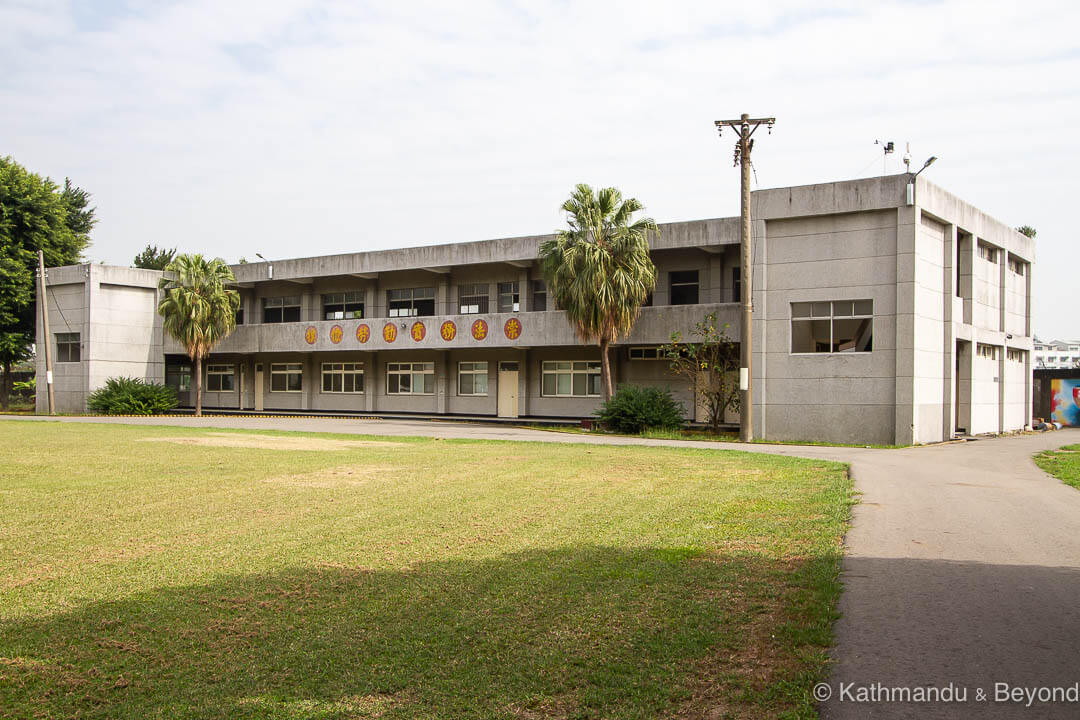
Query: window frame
column 341, row 370
column 831, row 318
column 220, row 371
column 551, row 367
column 397, row 370
column 470, row 369
column 182, row 372
column 468, row 292
column 673, row 283
column 410, row 295
column 68, row 347
column 643, row 352
column 278, row 303
column 509, row 290
column 539, row 296
column 290, row 369
column 351, row 303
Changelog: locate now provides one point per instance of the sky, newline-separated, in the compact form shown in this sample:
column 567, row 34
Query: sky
column 293, row 128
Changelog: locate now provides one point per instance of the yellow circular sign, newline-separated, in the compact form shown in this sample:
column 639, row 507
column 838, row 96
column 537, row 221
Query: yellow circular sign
column 448, row 331
column 512, row 329
column 336, row 333
column 311, row 335
column 363, row 332
column 389, row 332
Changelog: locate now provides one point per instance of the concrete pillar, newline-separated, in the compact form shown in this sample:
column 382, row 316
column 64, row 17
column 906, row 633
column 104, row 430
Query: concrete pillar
column 524, row 299
column 372, row 382
column 442, row 296
column 904, row 430
column 523, row 383
column 948, row 405
column 442, row 382
column 370, row 310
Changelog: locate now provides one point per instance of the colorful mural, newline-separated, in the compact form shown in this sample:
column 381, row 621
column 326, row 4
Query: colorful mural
column 389, row 332
column 336, row 333
column 1065, row 401
column 418, row 331
column 311, row 335
column 512, row 329
column 448, row 331
column 363, row 333
column 479, row 330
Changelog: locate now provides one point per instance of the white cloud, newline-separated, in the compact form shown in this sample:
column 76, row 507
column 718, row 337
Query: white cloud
column 294, row 128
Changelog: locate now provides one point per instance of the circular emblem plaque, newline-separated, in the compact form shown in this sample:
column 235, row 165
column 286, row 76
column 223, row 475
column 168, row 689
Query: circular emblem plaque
column 363, row 333
column 311, row 335
column 389, row 332
column 479, row 330
column 448, row 330
column 418, row 331
column 336, row 333
column 512, row 329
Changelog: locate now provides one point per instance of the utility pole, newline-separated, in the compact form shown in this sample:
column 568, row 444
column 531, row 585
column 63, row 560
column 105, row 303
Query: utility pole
column 746, row 126
column 45, row 330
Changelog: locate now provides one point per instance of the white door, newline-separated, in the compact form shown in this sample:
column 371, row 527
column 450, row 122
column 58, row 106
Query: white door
column 508, row 389
column 258, row 387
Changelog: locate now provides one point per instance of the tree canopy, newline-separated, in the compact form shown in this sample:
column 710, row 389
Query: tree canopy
column 153, row 258
column 599, row 269
column 35, row 214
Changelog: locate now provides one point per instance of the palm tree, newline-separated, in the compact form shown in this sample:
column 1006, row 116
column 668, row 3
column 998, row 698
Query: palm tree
column 599, row 270
column 198, row 307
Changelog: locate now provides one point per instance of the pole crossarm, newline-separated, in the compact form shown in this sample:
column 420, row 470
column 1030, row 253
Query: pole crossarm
column 747, row 121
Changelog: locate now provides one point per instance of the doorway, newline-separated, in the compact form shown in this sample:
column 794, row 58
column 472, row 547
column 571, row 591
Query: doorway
column 258, row 387
column 508, row 389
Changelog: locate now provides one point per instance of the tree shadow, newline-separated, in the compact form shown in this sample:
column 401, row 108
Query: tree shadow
column 583, row 631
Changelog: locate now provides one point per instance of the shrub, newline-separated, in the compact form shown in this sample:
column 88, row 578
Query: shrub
column 131, row 396
column 633, row 409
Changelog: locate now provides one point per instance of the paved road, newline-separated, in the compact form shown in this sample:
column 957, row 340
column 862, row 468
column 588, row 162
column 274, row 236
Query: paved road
column 963, row 565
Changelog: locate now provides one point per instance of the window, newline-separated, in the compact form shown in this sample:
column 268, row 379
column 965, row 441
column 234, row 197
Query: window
column 988, row 252
column 571, row 379
column 220, row 378
column 411, row 302
column 68, row 348
column 410, row 378
column 286, row 377
column 340, row 306
column 472, row 378
column 539, row 298
column 646, row 353
column 473, row 299
column 684, row 287
column 281, row 309
column 832, row 327
column 509, row 300
column 178, row 377
column 736, row 284
column 343, row 377
column 1015, row 355
column 990, row 352
column 1016, row 265
column 240, row 316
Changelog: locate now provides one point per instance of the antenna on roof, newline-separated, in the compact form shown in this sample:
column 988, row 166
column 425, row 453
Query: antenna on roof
column 888, row 147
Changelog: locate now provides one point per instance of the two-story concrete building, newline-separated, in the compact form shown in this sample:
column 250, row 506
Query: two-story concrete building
column 883, row 313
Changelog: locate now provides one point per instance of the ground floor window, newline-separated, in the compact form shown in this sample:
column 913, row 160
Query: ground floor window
column 178, row 377
column 286, row 377
column 343, row 377
column 220, row 378
column 832, row 327
column 472, row 378
column 410, row 378
column 571, row 379
column 67, row 347
column 646, row 353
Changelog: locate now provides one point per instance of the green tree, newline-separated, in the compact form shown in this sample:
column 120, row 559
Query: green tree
column 1027, row 230
column 35, row 214
column 599, row 269
column 198, row 308
column 710, row 366
column 153, row 258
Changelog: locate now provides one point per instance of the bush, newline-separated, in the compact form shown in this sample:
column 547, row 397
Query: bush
column 635, row 409
column 131, row 396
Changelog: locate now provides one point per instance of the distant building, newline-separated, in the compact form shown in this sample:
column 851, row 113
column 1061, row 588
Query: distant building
column 1057, row 354
column 880, row 316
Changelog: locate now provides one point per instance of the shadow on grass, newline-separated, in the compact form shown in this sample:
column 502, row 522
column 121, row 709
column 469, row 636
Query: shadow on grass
column 574, row 632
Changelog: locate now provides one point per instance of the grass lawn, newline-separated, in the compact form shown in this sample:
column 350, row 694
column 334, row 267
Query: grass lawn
column 157, row 572
column 706, row 435
column 1063, row 464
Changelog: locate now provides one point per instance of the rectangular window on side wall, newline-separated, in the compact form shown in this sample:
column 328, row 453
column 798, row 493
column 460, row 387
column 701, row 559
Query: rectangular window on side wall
column 989, row 352
column 473, row 298
column 286, row 377
column 539, row 295
column 343, row 306
column 178, row 376
column 283, row 309
column 684, row 287
column 411, row 302
column 509, row 301
column 736, row 284
column 343, row 377
column 220, row 378
column 68, row 348
column 571, row 379
column 839, row 326
column 988, row 252
column 646, row 353
column 472, row 378
column 410, row 378
column 1017, row 266
column 1015, row 355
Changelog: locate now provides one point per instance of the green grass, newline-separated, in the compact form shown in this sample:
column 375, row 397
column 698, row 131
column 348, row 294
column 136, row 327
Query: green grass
column 145, row 573
column 705, row 435
column 1063, row 464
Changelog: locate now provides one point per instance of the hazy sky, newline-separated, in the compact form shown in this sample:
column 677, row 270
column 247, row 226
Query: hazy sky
column 297, row 128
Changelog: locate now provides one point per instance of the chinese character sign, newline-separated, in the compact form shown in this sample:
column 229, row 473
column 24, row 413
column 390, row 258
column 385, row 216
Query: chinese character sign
column 311, row 335
column 512, row 329
column 448, row 331
column 479, row 330
column 389, row 332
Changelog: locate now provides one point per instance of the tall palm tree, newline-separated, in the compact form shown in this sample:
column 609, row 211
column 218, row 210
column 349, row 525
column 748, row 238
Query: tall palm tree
column 198, row 307
column 599, row 270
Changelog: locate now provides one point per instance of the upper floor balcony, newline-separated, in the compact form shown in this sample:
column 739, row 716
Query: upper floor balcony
column 454, row 332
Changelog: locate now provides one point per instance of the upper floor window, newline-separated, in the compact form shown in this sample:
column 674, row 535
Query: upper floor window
column 341, row 306
column 473, row 298
column 239, row 316
column 988, row 252
column 1016, row 355
column 281, row 309
column 410, row 302
column 990, row 352
column 832, row 327
column 220, row 378
column 736, row 284
column 684, row 287
column 1017, row 265
column 539, row 295
column 68, row 348
column 509, row 300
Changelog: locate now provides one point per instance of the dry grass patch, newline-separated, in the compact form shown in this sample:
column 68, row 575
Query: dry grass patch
column 271, row 442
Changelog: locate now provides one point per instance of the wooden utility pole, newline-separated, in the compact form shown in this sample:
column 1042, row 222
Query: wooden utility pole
column 746, row 126
column 45, row 330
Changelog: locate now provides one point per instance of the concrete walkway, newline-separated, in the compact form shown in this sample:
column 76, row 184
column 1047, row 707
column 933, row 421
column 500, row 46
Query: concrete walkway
column 963, row 566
